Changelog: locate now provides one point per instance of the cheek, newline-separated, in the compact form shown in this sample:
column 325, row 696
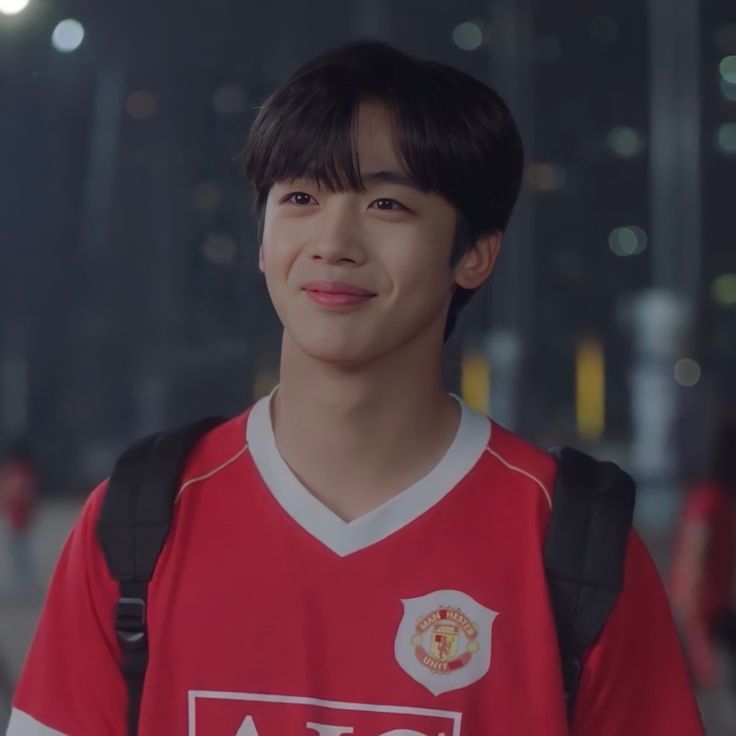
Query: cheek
column 276, row 239
column 422, row 268
column 273, row 266
column 278, row 249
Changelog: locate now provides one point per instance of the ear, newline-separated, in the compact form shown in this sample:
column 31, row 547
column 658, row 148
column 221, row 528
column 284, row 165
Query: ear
column 476, row 265
column 260, row 258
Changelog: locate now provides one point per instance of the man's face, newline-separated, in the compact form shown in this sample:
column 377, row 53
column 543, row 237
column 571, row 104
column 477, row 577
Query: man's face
column 354, row 276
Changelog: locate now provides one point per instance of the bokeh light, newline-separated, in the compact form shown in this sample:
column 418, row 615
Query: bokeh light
column 67, row 36
column 687, row 372
column 727, row 67
column 726, row 138
column 141, row 105
column 626, row 141
column 13, row 7
column 468, row 36
column 206, row 196
column 723, row 290
column 546, row 177
column 627, row 241
column 728, row 90
column 220, row 249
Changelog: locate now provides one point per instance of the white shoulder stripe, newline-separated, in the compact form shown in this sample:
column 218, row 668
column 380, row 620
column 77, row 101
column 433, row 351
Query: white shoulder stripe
column 211, row 472
column 21, row 724
column 523, row 472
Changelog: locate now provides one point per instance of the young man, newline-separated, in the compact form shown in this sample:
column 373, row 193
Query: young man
column 360, row 553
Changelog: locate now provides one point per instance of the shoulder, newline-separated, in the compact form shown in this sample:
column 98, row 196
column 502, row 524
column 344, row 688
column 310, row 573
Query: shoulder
column 216, row 451
column 521, row 463
column 638, row 652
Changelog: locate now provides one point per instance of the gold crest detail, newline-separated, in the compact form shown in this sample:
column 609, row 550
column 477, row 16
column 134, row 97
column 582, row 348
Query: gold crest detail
column 444, row 640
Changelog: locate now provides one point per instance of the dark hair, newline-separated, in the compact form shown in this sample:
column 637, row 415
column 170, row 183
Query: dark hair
column 455, row 134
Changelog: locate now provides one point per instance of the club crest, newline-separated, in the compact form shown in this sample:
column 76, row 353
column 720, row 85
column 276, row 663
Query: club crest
column 444, row 640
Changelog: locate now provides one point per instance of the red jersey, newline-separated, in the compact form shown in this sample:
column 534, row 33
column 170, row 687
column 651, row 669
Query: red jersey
column 711, row 507
column 429, row 616
column 17, row 493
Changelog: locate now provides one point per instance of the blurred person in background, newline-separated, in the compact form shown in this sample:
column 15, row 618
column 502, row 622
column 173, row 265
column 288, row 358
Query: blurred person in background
column 703, row 574
column 18, row 497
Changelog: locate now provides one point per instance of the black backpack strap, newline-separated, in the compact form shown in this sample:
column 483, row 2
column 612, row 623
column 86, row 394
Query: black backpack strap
column 132, row 527
column 584, row 553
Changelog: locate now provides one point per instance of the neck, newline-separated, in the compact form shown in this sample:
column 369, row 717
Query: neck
column 373, row 430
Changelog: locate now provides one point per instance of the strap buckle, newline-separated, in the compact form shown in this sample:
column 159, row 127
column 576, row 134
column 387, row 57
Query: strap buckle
column 130, row 623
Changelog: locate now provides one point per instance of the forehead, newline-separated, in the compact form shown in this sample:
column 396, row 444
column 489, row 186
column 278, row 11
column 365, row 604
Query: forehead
column 377, row 146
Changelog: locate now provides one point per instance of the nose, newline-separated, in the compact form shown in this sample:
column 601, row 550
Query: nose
column 338, row 237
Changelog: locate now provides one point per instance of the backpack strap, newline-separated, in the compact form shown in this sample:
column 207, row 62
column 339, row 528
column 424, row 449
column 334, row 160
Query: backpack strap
column 132, row 527
column 584, row 553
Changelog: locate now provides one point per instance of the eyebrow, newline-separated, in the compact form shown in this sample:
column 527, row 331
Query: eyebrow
column 391, row 177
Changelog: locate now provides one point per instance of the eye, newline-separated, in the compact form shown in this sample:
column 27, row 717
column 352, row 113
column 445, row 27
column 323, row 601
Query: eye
column 299, row 198
column 387, row 204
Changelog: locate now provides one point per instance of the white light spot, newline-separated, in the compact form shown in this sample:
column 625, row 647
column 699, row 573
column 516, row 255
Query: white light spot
column 13, row 7
column 626, row 141
column 627, row 241
column 67, row 36
column 468, row 36
column 687, row 372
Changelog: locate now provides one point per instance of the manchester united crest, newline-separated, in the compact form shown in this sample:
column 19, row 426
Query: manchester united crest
column 444, row 640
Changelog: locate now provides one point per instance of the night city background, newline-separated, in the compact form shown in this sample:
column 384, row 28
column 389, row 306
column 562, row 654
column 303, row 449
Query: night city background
column 130, row 298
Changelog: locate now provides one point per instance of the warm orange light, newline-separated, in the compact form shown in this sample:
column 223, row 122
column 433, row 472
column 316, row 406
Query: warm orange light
column 590, row 399
column 475, row 382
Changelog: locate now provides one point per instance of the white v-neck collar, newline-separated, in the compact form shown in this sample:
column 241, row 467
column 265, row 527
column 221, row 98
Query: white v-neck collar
column 346, row 537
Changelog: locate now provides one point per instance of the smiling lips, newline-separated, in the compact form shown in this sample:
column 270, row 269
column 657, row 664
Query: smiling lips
column 337, row 294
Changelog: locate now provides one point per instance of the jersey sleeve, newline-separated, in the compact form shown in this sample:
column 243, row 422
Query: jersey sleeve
column 634, row 680
column 71, row 683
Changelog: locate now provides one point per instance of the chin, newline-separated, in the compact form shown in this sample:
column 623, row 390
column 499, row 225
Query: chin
column 355, row 351
column 340, row 353
column 352, row 345
column 341, row 348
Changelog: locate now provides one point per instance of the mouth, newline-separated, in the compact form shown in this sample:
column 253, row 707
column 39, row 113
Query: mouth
column 337, row 293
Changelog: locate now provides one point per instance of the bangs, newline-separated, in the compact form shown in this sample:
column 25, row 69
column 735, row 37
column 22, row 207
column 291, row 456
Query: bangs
column 315, row 141
column 318, row 140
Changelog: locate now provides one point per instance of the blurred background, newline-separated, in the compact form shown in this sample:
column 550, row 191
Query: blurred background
column 130, row 299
